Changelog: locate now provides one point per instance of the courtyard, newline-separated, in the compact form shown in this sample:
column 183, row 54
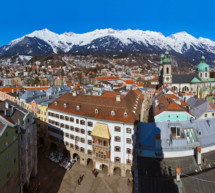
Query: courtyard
column 53, row 178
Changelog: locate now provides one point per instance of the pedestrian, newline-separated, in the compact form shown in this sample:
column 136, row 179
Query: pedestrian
column 128, row 182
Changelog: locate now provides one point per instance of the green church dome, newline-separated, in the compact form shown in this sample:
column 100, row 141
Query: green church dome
column 203, row 66
column 166, row 58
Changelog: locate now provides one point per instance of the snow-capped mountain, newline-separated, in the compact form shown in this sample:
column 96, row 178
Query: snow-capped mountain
column 45, row 42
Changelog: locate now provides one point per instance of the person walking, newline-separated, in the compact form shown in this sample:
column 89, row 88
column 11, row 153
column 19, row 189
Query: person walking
column 128, row 182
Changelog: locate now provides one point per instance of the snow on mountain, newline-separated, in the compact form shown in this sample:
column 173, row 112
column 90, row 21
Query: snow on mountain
column 179, row 42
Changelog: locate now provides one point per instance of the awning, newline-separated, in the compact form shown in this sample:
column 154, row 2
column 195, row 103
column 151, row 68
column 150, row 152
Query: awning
column 101, row 130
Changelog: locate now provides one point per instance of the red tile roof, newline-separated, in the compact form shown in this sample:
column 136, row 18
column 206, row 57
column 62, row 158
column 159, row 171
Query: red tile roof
column 38, row 88
column 166, row 102
column 129, row 81
column 10, row 89
column 105, row 104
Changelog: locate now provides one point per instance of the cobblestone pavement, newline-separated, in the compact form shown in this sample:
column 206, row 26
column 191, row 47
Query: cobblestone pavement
column 54, row 179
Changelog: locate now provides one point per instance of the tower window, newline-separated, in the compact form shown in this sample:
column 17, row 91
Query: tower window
column 206, row 75
column 206, row 69
column 167, row 70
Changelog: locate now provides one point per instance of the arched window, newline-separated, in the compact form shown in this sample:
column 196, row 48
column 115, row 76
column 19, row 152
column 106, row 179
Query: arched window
column 185, row 89
column 174, row 88
column 167, row 70
column 206, row 75
column 206, row 69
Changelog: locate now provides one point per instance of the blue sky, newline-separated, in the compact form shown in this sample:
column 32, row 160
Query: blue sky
column 170, row 16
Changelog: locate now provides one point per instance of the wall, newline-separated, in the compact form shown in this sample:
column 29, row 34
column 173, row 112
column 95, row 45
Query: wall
column 9, row 160
column 172, row 116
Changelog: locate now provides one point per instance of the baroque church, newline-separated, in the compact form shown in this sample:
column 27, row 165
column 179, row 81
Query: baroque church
column 185, row 82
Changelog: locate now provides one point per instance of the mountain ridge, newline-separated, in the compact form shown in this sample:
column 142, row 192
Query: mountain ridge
column 43, row 42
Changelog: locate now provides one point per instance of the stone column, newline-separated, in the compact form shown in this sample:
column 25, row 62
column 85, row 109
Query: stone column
column 123, row 172
column 83, row 160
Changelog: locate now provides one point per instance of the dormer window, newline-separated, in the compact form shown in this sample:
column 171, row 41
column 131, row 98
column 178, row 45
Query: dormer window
column 125, row 114
column 78, row 107
column 96, row 111
column 55, row 103
column 112, row 113
column 65, row 105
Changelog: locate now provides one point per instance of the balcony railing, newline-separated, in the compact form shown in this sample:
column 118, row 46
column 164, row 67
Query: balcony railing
column 101, row 147
column 99, row 159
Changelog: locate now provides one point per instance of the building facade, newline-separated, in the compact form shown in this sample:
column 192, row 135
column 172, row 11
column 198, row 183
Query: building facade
column 100, row 129
column 9, row 156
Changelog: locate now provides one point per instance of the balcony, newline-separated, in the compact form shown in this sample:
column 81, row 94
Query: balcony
column 101, row 147
column 99, row 159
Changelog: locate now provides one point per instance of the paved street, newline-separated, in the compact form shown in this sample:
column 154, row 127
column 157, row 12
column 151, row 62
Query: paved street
column 55, row 179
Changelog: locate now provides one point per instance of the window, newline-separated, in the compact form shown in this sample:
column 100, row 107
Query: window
column 167, row 70
column 82, row 149
column 90, row 124
column 78, row 107
column 175, row 132
column 77, row 121
column 71, row 119
column 71, row 128
column 67, row 143
column 213, row 114
column 82, row 140
column 67, row 118
column 117, row 148
column 66, row 134
column 65, row 105
column 112, row 113
column 117, row 159
column 76, row 138
column 206, row 115
column 89, row 132
column 62, row 117
column 125, row 114
column 77, row 129
column 206, row 75
column 82, row 122
column 76, row 147
column 67, row 126
column 71, row 136
column 82, row 131
column 96, row 111
column 71, row 145
column 128, row 130
column 117, row 139
column 128, row 140
column 89, row 142
column 117, row 129
column 89, row 152
column 128, row 151
column 62, row 125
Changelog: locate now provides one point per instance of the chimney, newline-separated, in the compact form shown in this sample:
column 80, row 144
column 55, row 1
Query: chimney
column 118, row 98
column 7, row 105
column 74, row 93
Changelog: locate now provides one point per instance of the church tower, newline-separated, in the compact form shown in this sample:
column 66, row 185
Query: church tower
column 167, row 70
column 203, row 69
